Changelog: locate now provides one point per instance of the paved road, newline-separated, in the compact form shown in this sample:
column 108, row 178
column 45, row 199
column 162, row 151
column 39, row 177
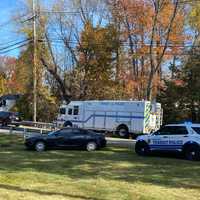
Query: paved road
column 117, row 142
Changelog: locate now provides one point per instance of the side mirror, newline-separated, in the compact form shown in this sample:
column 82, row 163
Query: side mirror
column 156, row 133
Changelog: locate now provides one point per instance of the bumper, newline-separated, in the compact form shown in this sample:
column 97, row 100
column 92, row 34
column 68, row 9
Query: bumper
column 103, row 143
column 29, row 144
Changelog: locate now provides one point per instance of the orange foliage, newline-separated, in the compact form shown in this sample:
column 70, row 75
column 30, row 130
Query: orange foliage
column 137, row 18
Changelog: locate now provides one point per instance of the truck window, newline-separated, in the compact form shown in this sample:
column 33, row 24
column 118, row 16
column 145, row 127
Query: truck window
column 69, row 111
column 76, row 110
column 62, row 111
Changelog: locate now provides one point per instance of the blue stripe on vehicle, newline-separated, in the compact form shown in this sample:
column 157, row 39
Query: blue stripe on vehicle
column 110, row 116
column 166, row 147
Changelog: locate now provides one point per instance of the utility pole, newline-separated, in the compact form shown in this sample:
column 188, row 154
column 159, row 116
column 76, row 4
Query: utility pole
column 34, row 63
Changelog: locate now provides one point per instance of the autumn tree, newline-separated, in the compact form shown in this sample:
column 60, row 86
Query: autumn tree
column 46, row 101
column 151, row 32
column 97, row 54
column 7, row 75
column 63, row 63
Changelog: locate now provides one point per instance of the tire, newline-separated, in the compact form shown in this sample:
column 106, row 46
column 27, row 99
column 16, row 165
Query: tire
column 122, row 131
column 40, row 146
column 142, row 148
column 192, row 153
column 67, row 124
column 91, row 146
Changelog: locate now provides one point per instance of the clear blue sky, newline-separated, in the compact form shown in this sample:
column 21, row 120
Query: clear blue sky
column 8, row 30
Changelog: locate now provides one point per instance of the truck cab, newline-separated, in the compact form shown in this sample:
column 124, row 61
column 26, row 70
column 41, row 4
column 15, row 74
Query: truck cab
column 68, row 114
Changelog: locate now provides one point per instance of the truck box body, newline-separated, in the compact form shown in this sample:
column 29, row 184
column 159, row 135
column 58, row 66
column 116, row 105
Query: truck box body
column 137, row 116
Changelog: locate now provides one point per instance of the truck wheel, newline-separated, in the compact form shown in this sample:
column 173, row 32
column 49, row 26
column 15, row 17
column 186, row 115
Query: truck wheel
column 122, row 131
column 192, row 153
column 67, row 124
column 142, row 148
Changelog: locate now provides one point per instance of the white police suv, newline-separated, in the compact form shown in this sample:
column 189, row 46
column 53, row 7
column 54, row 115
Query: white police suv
column 184, row 138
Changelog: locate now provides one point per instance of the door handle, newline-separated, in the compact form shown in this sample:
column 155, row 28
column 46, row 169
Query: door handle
column 185, row 136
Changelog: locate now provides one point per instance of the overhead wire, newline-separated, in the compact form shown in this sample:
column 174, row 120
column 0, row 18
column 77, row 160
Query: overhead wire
column 15, row 46
column 125, row 44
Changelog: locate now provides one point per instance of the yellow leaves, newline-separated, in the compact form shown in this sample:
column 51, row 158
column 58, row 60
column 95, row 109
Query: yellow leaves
column 194, row 17
column 2, row 84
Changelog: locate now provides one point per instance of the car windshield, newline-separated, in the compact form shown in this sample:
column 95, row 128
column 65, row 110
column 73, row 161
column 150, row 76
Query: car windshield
column 196, row 129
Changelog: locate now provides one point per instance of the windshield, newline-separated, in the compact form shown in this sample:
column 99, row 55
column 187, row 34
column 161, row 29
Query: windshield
column 62, row 111
column 196, row 129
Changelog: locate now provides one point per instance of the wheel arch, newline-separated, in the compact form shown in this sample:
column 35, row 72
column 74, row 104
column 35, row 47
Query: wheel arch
column 122, row 125
column 141, row 141
column 68, row 123
column 190, row 143
column 40, row 140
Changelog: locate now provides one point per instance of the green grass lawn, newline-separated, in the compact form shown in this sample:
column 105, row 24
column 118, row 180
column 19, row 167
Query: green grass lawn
column 112, row 173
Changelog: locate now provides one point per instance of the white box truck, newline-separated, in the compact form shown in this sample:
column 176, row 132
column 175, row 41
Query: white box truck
column 121, row 117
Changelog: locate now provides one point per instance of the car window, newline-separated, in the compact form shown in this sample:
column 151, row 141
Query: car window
column 196, row 129
column 65, row 132
column 164, row 130
column 173, row 130
column 61, row 132
column 180, row 130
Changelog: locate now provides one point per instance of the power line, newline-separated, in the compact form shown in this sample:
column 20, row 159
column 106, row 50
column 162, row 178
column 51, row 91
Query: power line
column 9, row 42
column 12, row 45
column 182, row 53
column 125, row 44
column 12, row 49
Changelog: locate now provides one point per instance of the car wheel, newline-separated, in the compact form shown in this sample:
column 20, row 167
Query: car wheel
column 142, row 148
column 40, row 146
column 192, row 153
column 91, row 146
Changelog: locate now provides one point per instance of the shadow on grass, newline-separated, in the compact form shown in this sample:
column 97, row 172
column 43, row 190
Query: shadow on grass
column 110, row 164
column 39, row 192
